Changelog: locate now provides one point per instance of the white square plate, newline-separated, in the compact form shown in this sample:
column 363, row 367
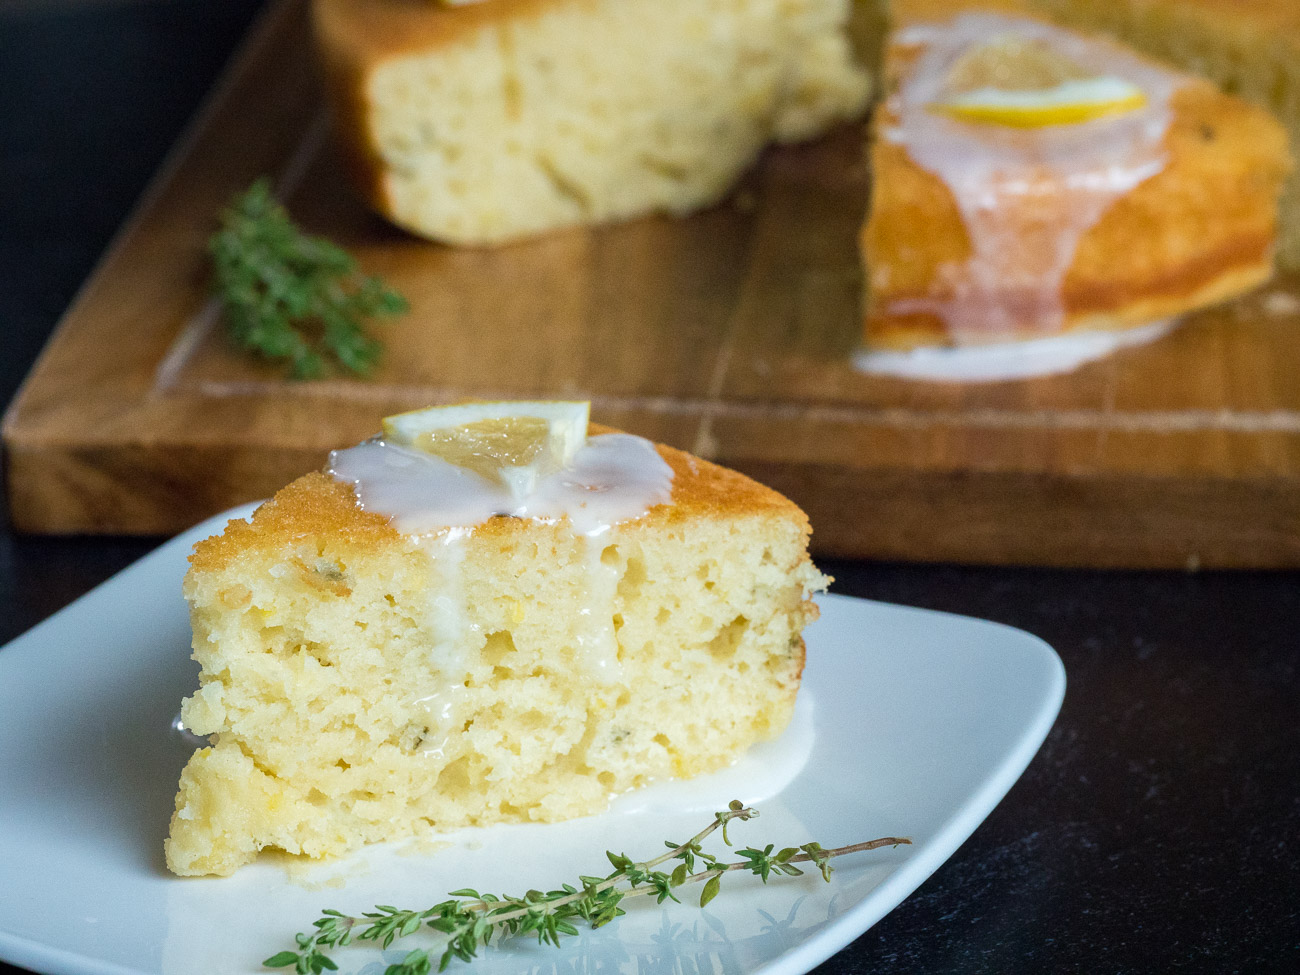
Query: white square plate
column 920, row 722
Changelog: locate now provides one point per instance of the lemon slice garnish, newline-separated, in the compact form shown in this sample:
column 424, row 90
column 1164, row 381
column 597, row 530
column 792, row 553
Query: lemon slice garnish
column 1064, row 104
column 510, row 443
column 1027, row 84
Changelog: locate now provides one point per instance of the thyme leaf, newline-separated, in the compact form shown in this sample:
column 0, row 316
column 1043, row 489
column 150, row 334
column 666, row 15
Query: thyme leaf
column 291, row 297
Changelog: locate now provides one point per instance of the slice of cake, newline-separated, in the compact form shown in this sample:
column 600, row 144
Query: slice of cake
column 1250, row 48
column 404, row 642
column 1040, row 197
column 481, row 123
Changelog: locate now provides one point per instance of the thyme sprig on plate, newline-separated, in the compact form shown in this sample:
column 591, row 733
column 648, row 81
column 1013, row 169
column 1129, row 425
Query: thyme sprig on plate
column 289, row 296
column 470, row 918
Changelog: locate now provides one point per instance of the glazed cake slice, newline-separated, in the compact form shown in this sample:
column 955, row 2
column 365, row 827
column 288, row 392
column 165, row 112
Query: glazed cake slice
column 485, row 122
column 987, row 232
column 369, row 675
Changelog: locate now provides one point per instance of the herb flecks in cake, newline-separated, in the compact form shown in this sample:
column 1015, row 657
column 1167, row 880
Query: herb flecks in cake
column 498, row 121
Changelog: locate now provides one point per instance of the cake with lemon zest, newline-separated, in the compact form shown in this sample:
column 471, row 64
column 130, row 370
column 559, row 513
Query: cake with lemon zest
column 368, row 673
column 1039, row 190
column 487, row 122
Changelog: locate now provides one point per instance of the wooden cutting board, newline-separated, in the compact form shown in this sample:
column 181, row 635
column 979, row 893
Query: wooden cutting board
column 728, row 333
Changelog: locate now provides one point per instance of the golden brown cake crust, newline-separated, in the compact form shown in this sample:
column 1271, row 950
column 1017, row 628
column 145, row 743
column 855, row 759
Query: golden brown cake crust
column 1199, row 231
column 354, row 36
column 1281, row 18
column 910, row 11
column 372, row 30
column 1278, row 17
column 317, row 504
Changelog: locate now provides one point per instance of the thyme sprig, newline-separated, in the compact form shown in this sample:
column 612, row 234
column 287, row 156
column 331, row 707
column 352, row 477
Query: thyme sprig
column 471, row 918
column 288, row 296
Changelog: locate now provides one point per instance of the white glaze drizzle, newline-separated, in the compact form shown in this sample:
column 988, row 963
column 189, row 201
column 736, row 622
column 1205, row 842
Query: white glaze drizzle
column 1027, row 196
column 446, row 620
column 597, row 642
column 439, row 709
column 612, row 478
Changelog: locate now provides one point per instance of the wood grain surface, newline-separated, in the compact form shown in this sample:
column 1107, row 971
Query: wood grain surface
column 727, row 333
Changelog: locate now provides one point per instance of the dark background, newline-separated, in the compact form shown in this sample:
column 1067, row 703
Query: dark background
column 1157, row 830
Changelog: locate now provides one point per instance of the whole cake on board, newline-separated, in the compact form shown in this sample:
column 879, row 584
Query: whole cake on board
column 1041, row 197
column 485, row 615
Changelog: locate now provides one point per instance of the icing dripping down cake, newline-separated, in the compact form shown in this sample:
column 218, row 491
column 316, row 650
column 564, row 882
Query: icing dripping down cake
column 382, row 652
column 1051, row 196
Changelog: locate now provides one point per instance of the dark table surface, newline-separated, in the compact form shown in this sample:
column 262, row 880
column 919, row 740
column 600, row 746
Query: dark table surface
column 1157, row 830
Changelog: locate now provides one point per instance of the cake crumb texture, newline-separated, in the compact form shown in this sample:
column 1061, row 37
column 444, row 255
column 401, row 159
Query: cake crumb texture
column 483, row 123
column 361, row 686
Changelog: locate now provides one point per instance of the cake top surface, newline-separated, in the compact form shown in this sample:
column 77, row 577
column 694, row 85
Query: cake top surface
column 909, row 11
column 1275, row 14
column 376, row 29
column 318, row 504
column 1280, row 15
